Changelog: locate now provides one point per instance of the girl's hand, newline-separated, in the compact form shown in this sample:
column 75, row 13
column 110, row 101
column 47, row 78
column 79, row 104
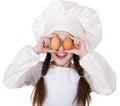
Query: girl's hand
column 79, row 47
column 43, row 45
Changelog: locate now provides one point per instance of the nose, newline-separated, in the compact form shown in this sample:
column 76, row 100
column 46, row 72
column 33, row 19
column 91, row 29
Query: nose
column 61, row 47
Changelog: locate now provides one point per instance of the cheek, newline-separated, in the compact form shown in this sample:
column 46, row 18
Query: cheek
column 53, row 55
column 70, row 56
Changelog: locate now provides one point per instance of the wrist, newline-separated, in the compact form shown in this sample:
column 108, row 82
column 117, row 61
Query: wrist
column 36, row 50
column 83, row 53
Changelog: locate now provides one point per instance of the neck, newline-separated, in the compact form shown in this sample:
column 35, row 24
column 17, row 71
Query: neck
column 66, row 65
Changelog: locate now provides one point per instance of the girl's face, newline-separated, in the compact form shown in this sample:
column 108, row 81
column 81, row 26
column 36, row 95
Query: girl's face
column 60, row 57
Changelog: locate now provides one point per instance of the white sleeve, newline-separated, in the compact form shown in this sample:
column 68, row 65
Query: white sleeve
column 24, row 69
column 98, row 73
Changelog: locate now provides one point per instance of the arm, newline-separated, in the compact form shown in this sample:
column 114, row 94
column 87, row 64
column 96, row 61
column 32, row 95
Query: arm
column 23, row 69
column 98, row 73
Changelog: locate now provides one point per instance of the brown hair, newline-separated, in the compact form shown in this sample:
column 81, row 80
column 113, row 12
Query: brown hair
column 39, row 90
column 83, row 91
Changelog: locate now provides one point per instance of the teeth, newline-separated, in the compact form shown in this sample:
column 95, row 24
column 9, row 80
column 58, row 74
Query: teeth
column 61, row 54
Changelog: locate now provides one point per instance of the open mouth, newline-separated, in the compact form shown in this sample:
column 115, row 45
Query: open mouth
column 61, row 55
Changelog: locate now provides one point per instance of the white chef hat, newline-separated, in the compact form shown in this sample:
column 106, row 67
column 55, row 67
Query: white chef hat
column 68, row 16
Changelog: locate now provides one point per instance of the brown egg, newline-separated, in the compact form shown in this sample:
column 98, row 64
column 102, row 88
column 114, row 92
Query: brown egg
column 68, row 43
column 55, row 43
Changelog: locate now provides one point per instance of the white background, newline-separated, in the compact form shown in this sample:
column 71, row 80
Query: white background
column 16, row 19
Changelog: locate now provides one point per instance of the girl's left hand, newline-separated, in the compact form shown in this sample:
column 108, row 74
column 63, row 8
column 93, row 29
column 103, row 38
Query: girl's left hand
column 79, row 47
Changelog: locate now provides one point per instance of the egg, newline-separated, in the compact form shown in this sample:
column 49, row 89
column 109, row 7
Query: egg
column 55, row 43
column 67, row 43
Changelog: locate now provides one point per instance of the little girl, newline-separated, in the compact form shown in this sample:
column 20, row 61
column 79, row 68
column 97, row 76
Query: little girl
column 65, row 77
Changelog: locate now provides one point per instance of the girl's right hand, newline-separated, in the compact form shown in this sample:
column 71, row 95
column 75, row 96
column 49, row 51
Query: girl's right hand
column 43, row 45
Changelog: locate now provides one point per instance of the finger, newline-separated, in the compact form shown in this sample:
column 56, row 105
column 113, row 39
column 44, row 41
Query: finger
column 47, row 50
column 46, row 43
column 81, row 40
column 54, row 35
column 74, row 51
column 69, row 51
column 51, row 51
column 44, row 46
column 77, row 42
column 70, row 36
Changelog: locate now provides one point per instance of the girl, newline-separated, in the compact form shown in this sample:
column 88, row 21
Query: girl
column 65, row 77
